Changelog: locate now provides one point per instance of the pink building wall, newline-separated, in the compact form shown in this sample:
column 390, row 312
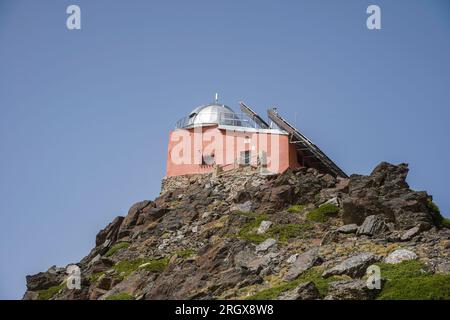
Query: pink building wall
column 187, row 146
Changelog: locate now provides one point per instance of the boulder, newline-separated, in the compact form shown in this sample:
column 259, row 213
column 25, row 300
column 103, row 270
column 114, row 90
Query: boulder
column 263, row 227
column 303, row 262
column 400, row 255
column 354, row 266
column 373, row 226
column 348, row 228
column 410, row 233
column 267, row 244
column 350, row 290
column 304, row 291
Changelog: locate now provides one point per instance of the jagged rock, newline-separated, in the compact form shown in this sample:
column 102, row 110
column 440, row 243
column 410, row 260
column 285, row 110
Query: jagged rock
column 303, row 262
column 45, row 280
column 409, row 234
column 348, row 228
column 350, row 290
column 373, row 226
column 150, row 214
column 400, row 255
column 304, row 291
column 109, row 233
column 385, row 192
column 354, row 266
column 263, row 227
column 267, row 244
column 281, row 194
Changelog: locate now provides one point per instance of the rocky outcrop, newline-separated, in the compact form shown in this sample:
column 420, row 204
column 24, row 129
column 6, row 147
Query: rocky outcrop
column 240, row 234
column 385, row 192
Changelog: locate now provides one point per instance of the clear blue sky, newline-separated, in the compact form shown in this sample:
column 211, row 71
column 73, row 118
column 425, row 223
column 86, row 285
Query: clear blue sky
column 85, row 115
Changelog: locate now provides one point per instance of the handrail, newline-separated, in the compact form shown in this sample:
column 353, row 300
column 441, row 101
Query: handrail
column 221, row 118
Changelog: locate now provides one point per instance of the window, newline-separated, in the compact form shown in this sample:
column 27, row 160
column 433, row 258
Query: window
column 245, row 157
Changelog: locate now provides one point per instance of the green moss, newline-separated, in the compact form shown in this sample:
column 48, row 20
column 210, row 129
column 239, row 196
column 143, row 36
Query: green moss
column 313, row 275
column 409, row 281
column 282, row 232
column 285, row 232
column 50, row 292
column 117, row 247
column 120, row 296
column 127, row 267
column 156, row 266
column 186, row 253
column 95, row 276
column 446, row 223
column 248, row 231
column 322, row 213
column 296, row 208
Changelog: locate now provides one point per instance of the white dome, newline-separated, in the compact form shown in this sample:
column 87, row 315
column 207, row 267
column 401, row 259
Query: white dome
column 212, row 114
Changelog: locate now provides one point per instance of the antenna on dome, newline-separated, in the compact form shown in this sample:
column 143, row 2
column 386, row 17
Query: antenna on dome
column 216, row 98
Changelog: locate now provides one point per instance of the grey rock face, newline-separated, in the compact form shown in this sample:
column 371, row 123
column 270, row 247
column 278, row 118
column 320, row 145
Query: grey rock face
column 354, row 267
column 303, row 262
column 373, row 226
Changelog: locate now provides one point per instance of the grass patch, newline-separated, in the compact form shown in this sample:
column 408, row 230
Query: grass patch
column 287, row 231
column 127, row 267
column 296, row 208
column 120, row 296
column 408, row 281
column 50, row 292
column 443, row 222
column 322, row 213
column 186, row 253
column 282, row 232
column 117, row 247
column 313, row 274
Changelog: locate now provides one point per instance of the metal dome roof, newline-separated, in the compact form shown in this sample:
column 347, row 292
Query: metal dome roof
column 213, row 113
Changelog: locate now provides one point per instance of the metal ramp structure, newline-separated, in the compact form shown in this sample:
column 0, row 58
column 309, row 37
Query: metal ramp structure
column 314, row 157
column 253, row 115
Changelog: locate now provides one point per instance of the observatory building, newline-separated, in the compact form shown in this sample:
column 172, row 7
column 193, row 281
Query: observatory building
column 215, row 138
